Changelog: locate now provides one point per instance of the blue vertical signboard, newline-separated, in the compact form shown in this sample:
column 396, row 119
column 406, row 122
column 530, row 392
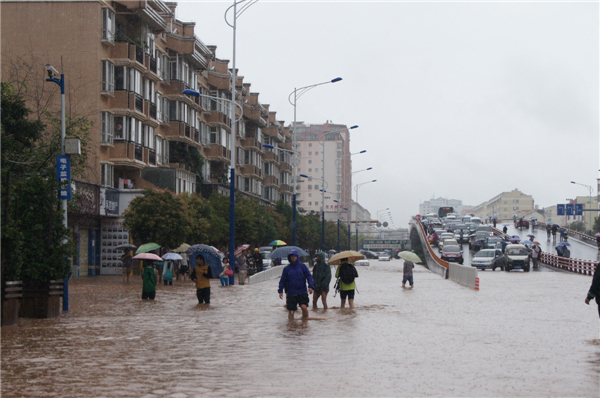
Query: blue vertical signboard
column 579, row 210
column 570, row 209
column 560, row 210
column 63, row 173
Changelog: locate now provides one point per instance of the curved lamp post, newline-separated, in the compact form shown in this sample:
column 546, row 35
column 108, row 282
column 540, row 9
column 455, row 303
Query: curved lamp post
column 297, row 93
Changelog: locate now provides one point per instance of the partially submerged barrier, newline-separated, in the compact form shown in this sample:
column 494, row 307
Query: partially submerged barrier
column 266, row 275
column 464, row 275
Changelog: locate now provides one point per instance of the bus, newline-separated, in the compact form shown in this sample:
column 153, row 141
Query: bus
column 443, row 211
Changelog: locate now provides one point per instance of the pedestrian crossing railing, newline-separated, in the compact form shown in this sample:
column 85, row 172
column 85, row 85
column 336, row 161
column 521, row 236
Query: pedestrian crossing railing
column 266, row 275
column 575, row 265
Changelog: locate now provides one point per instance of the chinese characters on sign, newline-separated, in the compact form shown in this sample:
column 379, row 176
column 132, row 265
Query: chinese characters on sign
column 63, row 176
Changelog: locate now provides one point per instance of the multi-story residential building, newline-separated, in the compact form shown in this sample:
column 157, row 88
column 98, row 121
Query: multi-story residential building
column 505, row 205
column 126, row 65
column 324, row 154
column 433, row 205
column 364, row 226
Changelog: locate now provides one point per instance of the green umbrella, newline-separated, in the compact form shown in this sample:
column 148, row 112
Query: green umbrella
column 410, row 256
column 146, row 247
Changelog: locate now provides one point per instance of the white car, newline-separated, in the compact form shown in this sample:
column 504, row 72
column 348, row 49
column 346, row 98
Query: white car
column 363, row 263
column 384, row 257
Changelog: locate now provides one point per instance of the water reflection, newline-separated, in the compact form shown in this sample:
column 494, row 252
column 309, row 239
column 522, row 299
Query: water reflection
column 395, row 342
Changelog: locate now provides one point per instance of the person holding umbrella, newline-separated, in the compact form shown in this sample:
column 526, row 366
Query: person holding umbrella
column 293, row 280
column 201, row 275
column 126, row 259
column 598, row 240
column 149, row 278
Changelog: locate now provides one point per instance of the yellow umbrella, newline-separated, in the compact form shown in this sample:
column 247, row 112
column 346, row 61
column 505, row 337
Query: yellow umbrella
column 351, row 255
column 181, row 249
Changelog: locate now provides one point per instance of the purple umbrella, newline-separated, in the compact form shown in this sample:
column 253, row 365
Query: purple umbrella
column 515, row 239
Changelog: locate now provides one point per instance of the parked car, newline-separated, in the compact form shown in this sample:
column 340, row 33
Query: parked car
column 384, row 257
column 518, row 257
column 452, row 253
column 362, row 263
column 489, row 258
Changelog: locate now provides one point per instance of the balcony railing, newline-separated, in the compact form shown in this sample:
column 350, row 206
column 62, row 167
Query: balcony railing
column 139, row 55
column 196, row 135
column 139, row 103
column 152, row 157
column 153, row 64
column 139, row 152
column 152, row 111
column 187, row 131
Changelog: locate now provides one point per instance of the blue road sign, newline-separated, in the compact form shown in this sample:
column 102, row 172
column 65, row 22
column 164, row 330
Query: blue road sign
column 579, row 209
column 560, row 210
column 63, row 173
column 570, row 209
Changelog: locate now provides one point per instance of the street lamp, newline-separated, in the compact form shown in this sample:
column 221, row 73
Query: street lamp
column 52, row 73
column 356, row 221
column 590, row 202
column 358, row 171
column 338, row 224
column 234, row 120
column 325, row 185
column 297, row 93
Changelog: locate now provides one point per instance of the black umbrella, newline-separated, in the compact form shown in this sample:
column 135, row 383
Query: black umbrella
column 282, row 252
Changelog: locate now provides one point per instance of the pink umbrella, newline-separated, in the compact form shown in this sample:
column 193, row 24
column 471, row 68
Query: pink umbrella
column 597, row 234
column 147, row 256
column 239, row 250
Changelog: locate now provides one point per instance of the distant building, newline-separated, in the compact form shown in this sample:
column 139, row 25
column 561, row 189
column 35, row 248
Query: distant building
column 359, row 213
column 433, row 205
column 505, row 205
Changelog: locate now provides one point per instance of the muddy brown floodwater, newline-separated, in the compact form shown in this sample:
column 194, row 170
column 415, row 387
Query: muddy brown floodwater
column 523, row 334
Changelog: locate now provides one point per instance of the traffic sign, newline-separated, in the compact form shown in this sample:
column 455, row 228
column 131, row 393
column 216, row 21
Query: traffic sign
column 63, row 176
column 560, row 210
column 570, row 209
column 579, row 210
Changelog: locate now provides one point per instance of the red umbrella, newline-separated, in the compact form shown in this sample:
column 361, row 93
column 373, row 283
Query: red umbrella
column 239, row 250
column 147, row 256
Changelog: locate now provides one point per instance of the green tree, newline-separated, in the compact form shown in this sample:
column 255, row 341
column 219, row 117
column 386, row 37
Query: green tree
column 158, row 216
column 596, row 226
column 35, row 243
column 198, row 213
column 577, row 226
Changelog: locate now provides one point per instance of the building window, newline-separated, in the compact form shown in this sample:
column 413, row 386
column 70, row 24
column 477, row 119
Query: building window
column 310, row 144
column 108, row 124
column 120, row 130
column 108, row 24
column 339, row 145
column 309, row 170
column 339, row 154
column 310, row 161
column 121, row 78
column 148, row 139
column 316, row 186
column 165, row 110
column 310, row 187
column 108, row 77
column 310, row 203
column 310, row 154
column 135, row 81
column 214, row 135
column 106, row 174
column 316, row 153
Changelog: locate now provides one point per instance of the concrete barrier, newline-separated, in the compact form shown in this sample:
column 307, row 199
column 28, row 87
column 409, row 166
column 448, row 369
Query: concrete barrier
column 434, row 263
column 464, row 275
column 271, row 273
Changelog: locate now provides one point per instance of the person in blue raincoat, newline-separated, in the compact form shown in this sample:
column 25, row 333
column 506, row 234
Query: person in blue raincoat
column 294, row 278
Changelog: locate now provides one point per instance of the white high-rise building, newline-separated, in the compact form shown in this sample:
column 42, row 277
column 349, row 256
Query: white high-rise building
column 433, row 205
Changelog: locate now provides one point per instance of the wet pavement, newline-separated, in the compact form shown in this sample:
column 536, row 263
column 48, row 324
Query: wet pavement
column 522, row 334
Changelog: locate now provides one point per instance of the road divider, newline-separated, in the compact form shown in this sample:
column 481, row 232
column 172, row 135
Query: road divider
column 465, row 275
column 266, row 275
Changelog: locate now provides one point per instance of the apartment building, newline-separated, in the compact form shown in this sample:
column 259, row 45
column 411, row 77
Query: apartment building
column 505, row 205
column 126, row 64
column 325, row 155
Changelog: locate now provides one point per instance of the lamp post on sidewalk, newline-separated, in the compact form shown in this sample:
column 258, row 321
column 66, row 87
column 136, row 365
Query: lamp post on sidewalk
column 297, row 93
column 323, row 190
column 590, row 202
column 356, row 221
column 234, row 120
column 52, row 73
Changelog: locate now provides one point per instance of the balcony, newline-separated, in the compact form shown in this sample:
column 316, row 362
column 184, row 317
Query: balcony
column 250, row 170
column 196, row 134
column 139, row 55
column 218, row 117
column 127, row 154
column 285, row 167
column 217, row 152
column 269, row 156
column 151, row 64
column 153, row 18
column 152, row 157
column 270, row 180
column 251, row 143
column 285, row 188
column 273, row 131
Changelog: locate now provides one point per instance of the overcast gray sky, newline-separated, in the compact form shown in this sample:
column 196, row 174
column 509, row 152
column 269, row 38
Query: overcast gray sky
column 460, row 100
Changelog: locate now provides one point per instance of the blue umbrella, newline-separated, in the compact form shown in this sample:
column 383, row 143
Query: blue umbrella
column 534, row 218
column 211, row 257
column 516, row 236
column 564, row 244
column 282, row 252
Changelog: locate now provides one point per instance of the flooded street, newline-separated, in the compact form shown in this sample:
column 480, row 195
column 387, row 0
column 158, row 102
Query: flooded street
column 522, row 334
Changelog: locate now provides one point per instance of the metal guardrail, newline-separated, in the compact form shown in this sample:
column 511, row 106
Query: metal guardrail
column 577, row 235
column 575, row 265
